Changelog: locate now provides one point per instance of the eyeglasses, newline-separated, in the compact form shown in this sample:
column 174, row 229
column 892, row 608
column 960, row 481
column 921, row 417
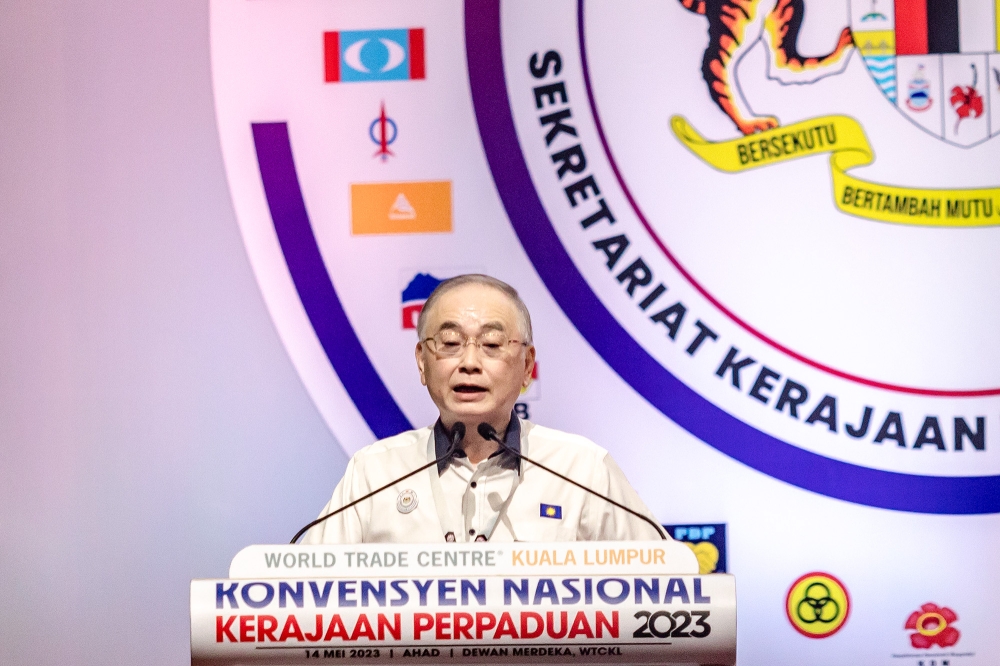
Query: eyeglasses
column 449, row 343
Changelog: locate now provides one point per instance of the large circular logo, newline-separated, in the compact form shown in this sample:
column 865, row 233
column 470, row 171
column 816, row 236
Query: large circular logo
column 817, row 605
column 656, row 245
column 598, row 244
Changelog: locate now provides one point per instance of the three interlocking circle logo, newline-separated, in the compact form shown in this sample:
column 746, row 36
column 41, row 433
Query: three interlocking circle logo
column 817, row 605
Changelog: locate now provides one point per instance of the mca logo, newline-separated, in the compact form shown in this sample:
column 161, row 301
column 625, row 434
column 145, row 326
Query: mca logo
column 817, row 605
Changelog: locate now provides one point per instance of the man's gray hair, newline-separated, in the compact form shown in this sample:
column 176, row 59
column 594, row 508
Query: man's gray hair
column 485, row 280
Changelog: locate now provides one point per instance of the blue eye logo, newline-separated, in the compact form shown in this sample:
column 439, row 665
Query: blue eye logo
column 374, row 55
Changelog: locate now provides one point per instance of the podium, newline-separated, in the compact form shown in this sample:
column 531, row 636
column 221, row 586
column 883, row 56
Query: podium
column 623, row 602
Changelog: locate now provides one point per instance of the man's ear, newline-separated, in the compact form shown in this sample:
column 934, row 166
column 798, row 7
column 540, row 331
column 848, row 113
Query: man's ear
column 529, row 366
column 420, row 363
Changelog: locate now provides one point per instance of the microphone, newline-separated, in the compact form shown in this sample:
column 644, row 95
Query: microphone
column 486, row 431
column 457, row 435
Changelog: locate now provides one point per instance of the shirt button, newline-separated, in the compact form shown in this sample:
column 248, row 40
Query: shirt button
column 473, row 484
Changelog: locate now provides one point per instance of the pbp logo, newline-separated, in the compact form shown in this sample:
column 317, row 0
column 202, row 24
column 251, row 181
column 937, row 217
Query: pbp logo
column 374, row 55
column 414, row 297
column 708, row 543
column 817, row 605
column 932, row 626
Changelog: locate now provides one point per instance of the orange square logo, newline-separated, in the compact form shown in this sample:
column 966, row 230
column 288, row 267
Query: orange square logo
column 401, row 208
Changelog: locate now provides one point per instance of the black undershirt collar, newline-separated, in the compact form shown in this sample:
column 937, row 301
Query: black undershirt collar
column 511, row 438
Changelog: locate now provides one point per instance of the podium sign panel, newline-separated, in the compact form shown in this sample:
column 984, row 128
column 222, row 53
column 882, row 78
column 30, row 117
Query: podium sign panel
column 413, row 610
column 636, row 619
column 277, row 561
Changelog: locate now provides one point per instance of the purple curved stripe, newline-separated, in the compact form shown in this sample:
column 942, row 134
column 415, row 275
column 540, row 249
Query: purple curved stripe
column 697, row 415
column 313, row 284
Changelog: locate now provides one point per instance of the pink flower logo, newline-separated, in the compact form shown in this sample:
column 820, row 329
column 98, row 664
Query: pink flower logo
column 933, row 627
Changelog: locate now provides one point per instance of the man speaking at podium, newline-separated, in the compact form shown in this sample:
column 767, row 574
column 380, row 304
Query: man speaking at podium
column 474, row 355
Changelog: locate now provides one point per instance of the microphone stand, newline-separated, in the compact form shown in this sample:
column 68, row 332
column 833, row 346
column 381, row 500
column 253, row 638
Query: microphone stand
column 457, row 434
column 486, row 431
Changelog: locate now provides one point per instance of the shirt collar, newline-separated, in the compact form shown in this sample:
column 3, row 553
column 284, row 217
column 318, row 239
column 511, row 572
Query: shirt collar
column 512, row 439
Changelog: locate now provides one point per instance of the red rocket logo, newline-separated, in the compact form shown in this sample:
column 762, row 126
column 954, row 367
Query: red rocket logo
column 383, row 132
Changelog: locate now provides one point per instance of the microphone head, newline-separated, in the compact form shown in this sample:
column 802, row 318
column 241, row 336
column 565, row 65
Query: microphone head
column 458, row 432
column 486, row 431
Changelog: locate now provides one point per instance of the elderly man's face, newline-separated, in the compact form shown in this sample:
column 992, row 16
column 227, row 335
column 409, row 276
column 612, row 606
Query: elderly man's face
column 472, row 387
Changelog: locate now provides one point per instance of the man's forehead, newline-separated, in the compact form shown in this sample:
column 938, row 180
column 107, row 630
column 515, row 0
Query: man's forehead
column 494, row 325
column 474, row 305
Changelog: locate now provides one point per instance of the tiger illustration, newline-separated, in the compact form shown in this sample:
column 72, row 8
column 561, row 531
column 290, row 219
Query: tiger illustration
column 734, row 27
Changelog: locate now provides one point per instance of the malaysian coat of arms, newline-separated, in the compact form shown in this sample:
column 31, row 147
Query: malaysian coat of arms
column 936, row 63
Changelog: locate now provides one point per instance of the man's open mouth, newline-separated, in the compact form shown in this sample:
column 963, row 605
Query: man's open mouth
column 469, row 388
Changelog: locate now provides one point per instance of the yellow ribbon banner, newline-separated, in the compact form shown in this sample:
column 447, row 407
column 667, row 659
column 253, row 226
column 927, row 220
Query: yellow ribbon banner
column 845, row 140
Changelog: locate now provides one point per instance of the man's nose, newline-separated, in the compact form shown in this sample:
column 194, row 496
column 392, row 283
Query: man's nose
column 470, row 359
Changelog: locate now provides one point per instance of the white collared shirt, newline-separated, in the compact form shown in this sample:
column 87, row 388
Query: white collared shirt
column 542, row 507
